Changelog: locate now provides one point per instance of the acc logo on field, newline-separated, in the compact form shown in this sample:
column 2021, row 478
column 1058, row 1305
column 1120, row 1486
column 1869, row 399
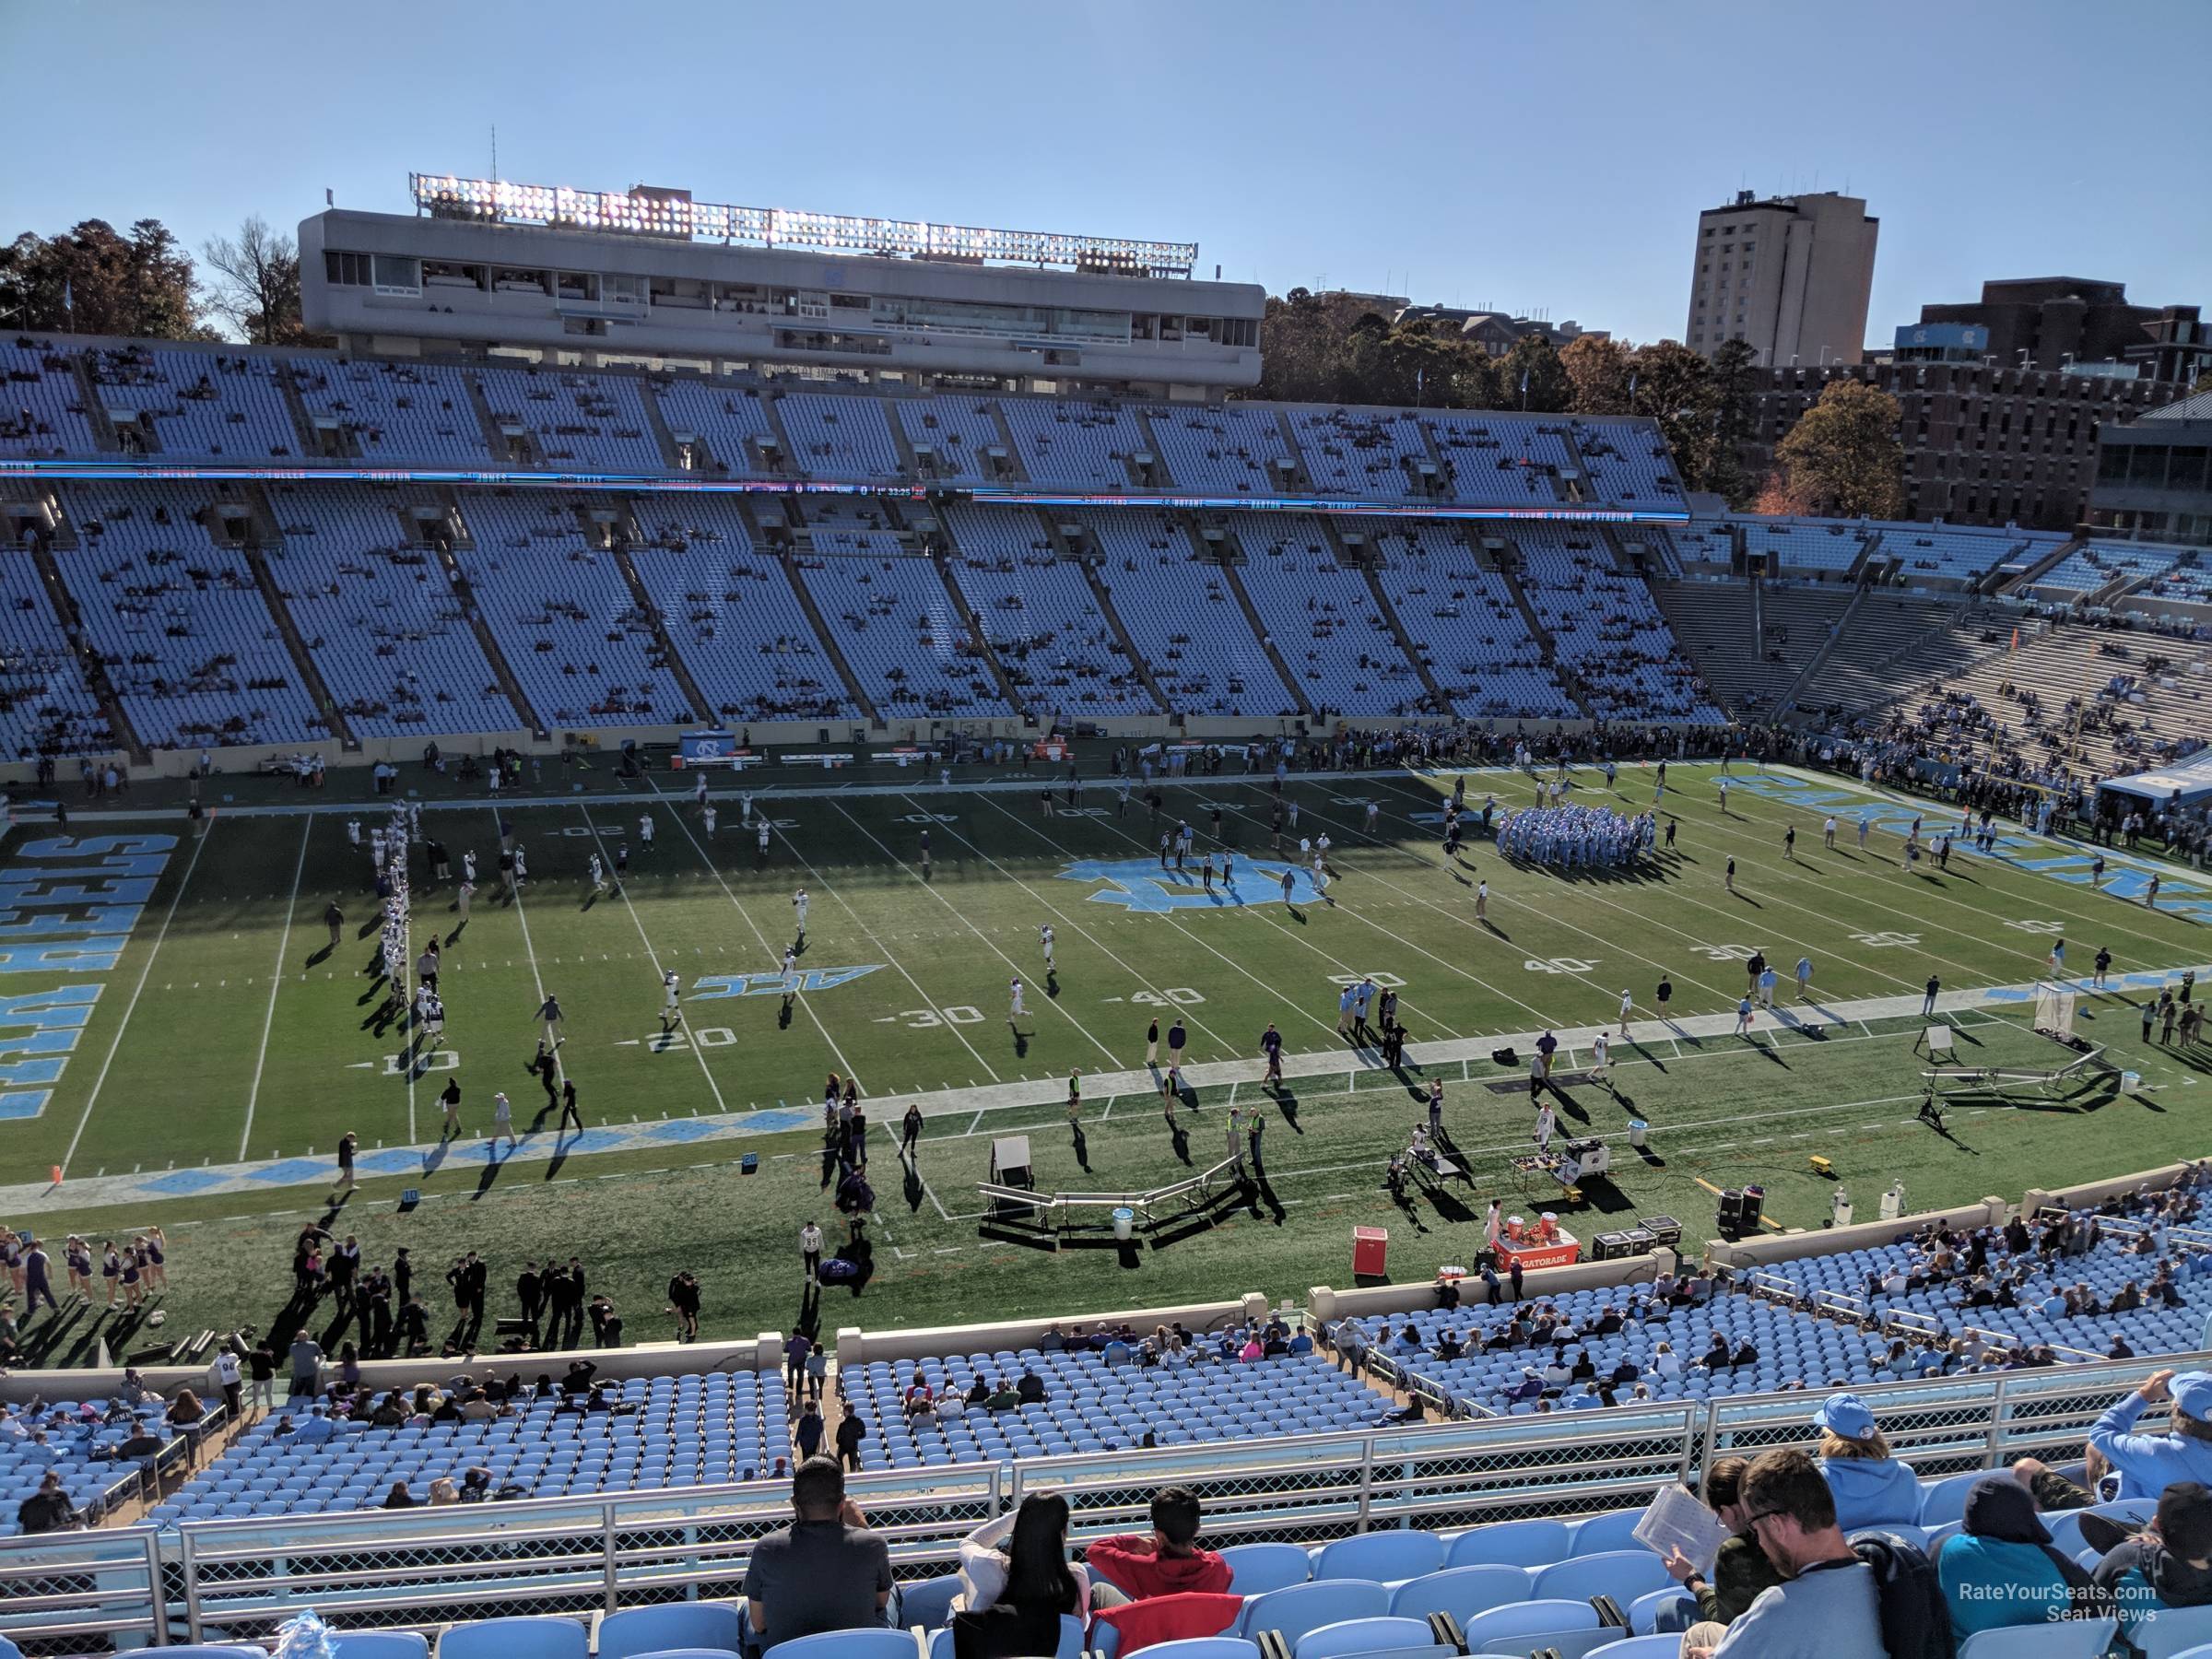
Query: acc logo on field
column 709, row 987
column 1140, row 885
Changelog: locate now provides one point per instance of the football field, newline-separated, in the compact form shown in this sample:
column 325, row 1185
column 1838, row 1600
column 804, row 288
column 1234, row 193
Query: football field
column 197, row 1062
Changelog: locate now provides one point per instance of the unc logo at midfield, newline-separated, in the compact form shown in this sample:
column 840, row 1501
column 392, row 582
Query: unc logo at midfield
column 1139, row 884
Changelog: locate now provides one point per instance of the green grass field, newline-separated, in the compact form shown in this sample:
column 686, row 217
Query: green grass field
column 228, row 1033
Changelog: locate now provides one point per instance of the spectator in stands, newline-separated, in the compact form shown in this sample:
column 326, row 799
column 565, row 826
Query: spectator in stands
column 2149, row 1464
column 1012, row 1598
column 2167, row 1564
column 1741, row 1570
column 48, row 1509
column 1828, row 1605
column 1169, row 1562
column 2000, row 1569
column 852, row 1428
column 399, row 1496
column 1872, row 1489
column 825, row 1571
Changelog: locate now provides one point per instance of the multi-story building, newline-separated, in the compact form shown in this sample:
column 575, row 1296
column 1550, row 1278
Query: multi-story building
column 2154, row 473
column 2058, row 321
column 1985, row 445
column 1791, row 274
column 589, row 279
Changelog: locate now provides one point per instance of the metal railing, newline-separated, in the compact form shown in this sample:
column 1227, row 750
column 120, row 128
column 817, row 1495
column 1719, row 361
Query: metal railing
column 422, row 1567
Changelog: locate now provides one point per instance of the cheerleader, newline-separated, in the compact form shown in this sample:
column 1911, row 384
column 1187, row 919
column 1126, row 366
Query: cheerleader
column 110, row 1267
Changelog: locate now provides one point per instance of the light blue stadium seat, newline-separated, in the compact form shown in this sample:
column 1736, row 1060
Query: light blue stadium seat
column 1511, row 1544
column 1644, row 1612
column 216, row 1650
column 1384, row 1557
column 539, row 1638
column 379, row 1644
column 1623, row 1574
column 1946, row 1499
column 2168, row 1632
column 1527, row 1618
column 2070, row 1639
column 1206, row 1647
column 1301, row 1607
column 1616, row 1529
column 1255, row 1569
column 1356, row 1637
column 849, row 1644
column 1638, row 1647
column 926, row 1602
column 1461, row 1592
column 676, row 1625
column 690, row 1653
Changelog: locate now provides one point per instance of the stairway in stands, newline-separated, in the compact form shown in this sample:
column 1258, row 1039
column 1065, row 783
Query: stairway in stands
column 452, row 530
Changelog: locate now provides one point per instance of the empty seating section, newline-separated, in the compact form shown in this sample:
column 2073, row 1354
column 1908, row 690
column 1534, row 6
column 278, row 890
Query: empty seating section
column 582, row 420
column 69, row 1434
column 2100, row 564
column 1500, row 459
column 1461, row 617
column 1793, row 544
column 1367, row 452
column 1234, row 447
column 1040, row 617
column 1944, row 552
column 1181, row 614
column 179, row 621
column 957, row 431
column 730, row 612
column 1705, row 542
column 390, row 637
column 673, row 1432
column 45, row 706
column 395, row 412
column 564, row 618
column 838, row 526
column 840, row 436
column 197, row 403
column 1325, row 620
column 724, row 416
column 1074, row 443
column 1627, row 463
column 895, row 623
column 1607, row 628
column 1089, row 1405
column 41, row 406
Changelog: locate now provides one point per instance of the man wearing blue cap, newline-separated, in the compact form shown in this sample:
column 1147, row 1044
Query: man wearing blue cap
column 2149, row 1464
column 1871, row 1487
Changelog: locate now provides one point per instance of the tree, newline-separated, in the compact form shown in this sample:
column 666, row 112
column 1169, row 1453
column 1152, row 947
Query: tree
column 1673, row 387
column 257, row 285
column 1844, row 458
column 1530, row 377
column 1331, row 348
column 91, row 280
column 1735, row 390
column 1598, row 370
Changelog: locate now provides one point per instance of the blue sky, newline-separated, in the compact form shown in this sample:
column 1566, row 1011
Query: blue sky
column 1535, row 155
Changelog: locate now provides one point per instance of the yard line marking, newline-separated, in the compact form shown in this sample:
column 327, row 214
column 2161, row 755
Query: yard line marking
column 174, row 899
column 844, row 1065
column 269, row 1019
column 698, row 1053
column 1057, row 1005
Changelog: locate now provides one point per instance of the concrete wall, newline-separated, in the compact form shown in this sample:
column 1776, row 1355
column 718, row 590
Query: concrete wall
column 856, row 1346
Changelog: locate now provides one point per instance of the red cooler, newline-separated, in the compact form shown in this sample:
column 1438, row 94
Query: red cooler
column 1370, row 1251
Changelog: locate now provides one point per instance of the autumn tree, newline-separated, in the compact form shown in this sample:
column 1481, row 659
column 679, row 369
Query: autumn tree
column 256, row 284
column 1844, row 458
column 1597, row 369
column 1735, row 393
column 90, row 279
column 1530, row 377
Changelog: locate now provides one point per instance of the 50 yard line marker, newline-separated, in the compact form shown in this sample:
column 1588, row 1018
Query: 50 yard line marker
column 269, row 1019
column 174, row 899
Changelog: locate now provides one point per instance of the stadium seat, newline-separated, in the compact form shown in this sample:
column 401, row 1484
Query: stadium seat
column 379, row 1644
column 1206, row 1647
column 1461, row 1592
column 1291, row 1613
column 2070, row 1639
column 1255, row 1569
column 927, row 1603
column 1638, row 1647
column 678, row 1625
column 1644, row 1612
column 1521, row 1620
column 940, row 1644
column 849, row 1644
column 1356, row 1637
column 1915, row 1535
column 217, row 1650
column 2169, row 1632
column 547, row 1637
column 1511, row 1544
column 1945, row 1501
column 1623, row 1574
column 1385, row 1557
column 1616, row 1529
column 690, row 1653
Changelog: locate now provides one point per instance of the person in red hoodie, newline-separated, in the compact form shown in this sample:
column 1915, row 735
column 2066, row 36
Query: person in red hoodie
column 1169, row 1563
